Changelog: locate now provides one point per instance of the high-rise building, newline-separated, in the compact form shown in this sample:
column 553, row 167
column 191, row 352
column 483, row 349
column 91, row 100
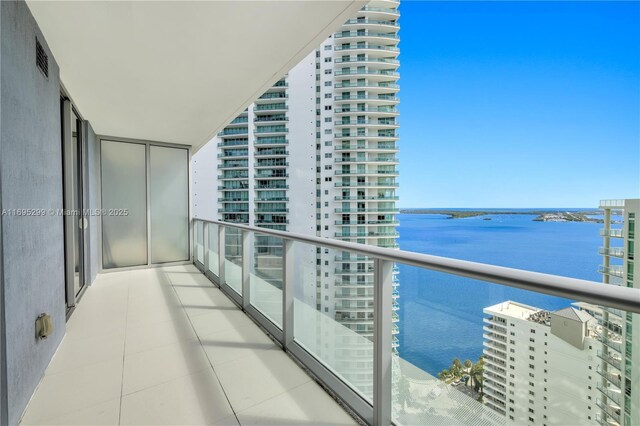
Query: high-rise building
column 619, row 353
column 540, row 365
column 317, row 154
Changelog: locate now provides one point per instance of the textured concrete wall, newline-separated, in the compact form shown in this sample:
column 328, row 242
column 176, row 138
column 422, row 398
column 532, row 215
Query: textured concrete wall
column 31, row 177
column 91, row 184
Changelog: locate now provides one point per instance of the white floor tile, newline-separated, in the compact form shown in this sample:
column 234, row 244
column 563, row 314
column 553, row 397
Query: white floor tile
column 258, row 377
column 149, row 368
column 308, row 404
column 75, row 390
column 233, row 344
column 76, row 353
column 220, row 318
column 144, row 337
column 196, row 399
column 105, row 413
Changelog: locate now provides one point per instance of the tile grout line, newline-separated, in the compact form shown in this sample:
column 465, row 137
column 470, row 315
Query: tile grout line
column 124, row 353
column 224, row 392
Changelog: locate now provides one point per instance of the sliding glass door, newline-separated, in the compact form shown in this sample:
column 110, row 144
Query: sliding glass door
column 145, row 204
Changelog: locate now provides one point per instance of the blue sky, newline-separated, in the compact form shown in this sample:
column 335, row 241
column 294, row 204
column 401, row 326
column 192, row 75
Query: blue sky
column 519, row 104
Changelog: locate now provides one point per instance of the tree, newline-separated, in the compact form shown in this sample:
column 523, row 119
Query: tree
column 477, row 375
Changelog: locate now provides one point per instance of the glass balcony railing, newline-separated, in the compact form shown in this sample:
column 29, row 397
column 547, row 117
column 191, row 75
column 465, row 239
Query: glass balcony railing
column 271, row 107
column 379, row 9
column 354, row 348
column 615, row 270
column 368, row 47
column 349, row 34
column 611, row 251
column 614, row 233
column 370, row 21
column 366, row 85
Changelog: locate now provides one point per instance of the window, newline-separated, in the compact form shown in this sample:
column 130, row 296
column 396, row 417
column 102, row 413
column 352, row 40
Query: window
column 327, row 107
column 328, row 119
column 327, row 47
column 327, row 95
column 328, row 83
column 327, row 59
column 327, row 71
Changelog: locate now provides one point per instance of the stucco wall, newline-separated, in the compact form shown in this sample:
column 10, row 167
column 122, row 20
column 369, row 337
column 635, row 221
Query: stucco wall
column 31, row 178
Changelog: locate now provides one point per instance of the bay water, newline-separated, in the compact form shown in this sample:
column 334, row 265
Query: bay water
column 440, row 315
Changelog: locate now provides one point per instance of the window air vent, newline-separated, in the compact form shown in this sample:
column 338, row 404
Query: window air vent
column 42, row 60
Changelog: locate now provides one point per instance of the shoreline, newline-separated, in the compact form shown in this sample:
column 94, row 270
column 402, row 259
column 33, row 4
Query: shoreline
column 541, row 216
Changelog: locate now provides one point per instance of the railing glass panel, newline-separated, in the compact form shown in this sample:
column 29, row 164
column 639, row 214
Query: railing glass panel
column 265, row 276
column 336, row 337
column 233, row 259
column 213, row 259
column 199, row 240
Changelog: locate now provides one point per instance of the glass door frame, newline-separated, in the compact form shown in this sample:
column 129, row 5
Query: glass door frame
column 148, row 144
column 73, row 216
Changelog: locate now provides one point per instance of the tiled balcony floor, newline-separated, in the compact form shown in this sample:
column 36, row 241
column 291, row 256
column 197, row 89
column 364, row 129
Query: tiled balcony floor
column 163, row 346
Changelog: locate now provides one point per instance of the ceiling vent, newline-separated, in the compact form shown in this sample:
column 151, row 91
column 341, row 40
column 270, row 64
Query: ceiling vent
column 42, row 60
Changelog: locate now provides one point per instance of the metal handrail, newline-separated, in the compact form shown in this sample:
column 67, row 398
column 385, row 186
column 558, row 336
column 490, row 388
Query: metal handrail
column 624, row 298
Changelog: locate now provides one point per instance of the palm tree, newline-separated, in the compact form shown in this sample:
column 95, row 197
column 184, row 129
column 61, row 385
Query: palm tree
column 477, row 375
column 456, row 368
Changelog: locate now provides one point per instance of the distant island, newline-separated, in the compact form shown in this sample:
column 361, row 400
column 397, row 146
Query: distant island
column 541, row 216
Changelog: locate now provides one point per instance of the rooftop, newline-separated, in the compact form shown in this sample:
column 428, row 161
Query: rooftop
column 512, row 309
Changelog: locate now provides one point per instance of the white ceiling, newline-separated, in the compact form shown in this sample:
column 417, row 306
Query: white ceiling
column 178, row 71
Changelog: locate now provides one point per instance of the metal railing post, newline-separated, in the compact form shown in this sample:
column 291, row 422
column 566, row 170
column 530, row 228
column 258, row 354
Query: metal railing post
column 221, row 246
column 382, row 341
column 287, row 292
column 205, row 246
column 246, row 257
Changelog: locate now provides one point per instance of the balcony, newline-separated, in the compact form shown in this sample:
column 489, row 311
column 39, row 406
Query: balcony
column 613, row 361
column 612, row 251
column 214, row 343
column 612, row 233
column 175, row 350
column 613, row 270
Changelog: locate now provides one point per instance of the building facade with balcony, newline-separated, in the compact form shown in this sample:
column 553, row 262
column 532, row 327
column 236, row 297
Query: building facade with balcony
column 317, row 154
column 540, row 365
column 619, row 354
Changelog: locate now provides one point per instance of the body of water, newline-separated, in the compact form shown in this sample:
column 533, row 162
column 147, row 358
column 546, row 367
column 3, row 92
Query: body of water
column 441, row 315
